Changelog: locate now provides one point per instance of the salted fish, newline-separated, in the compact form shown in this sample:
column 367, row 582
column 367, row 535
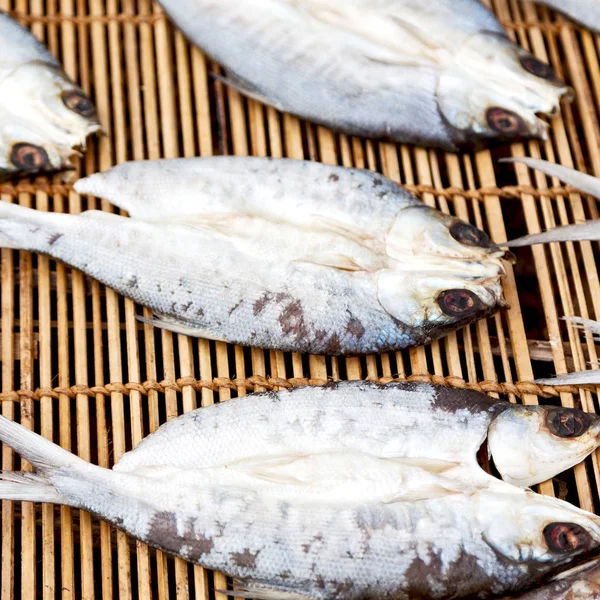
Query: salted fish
column 586, row 12
column 278, row 254
column 456, row 538
column 44, row 116
column 423, row 422
column 438, row 73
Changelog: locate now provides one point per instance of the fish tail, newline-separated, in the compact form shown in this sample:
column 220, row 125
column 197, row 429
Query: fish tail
column 20, row 226
column 46, row 457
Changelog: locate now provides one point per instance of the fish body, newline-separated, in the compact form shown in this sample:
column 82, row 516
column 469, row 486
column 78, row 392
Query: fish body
column 43, row 114
column 586, row 12
column 437, row 536
column 396, row 421
column 280, row 254
column 440, row 73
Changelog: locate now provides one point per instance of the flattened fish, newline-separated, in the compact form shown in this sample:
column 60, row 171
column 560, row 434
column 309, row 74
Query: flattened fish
column 419, row 422
column 484, row 541
column 278, row 254
column 43, row 114
column 438, row 73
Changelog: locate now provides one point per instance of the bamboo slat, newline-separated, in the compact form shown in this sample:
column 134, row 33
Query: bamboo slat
column 78, row 367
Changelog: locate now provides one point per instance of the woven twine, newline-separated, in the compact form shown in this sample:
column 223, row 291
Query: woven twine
column 520, row 388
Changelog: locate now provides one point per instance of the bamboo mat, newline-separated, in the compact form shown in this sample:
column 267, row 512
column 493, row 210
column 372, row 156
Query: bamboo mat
column 78, row 367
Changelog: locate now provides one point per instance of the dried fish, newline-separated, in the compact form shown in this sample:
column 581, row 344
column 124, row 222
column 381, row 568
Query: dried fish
column 586, row 12
column 279, row 526
column 279, row 254
column 421, row 422
column 438, row 73
column 43, row 114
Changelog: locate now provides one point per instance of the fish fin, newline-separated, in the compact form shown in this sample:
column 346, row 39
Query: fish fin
column 424, row 493
column 28, row 487
column 585, row 183
column 261, row 592
column 262, row 467
column 176, row 326
column 211, row 222
column 590, row 377
column 336, row 261
column 246, row 90
column 432, row 465
column 583, row 232
column 585, row 324
column 354, row 234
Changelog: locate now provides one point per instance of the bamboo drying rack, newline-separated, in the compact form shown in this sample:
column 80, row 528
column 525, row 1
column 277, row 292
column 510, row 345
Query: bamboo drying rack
column 77, row 367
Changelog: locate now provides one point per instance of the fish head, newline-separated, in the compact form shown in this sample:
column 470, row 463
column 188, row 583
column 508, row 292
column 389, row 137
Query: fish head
column 43, row 118
column 539, row 534
column 530, row 444
column 444, row 272
column 496, row 89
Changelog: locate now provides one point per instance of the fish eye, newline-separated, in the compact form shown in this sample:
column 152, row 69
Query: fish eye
column 29, row 157
column 567, row 423
column 537, row 67
column 469, row 236
column 505, row 121
column 566, row 537
column 79, row 103
column 458, row 303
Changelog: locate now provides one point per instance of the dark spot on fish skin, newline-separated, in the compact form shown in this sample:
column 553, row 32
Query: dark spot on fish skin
column 132, row 282
column 237, row 306
column 261, row 303
column 245, row 559
column 200, row 312
column 292, row 322
column 187, row 306
column 355, row 328
column 158, row 288
column 306, row 548
column 284, row 575
column 281, row 296
column 341, row 588
column 377, row 182
column 173, row 305
column 163, row 533
column 320, row 335
column 452, row 400
column 53, row 239
column 333, row 346
column 320, row 582
column 284, row 509
column 333, row 177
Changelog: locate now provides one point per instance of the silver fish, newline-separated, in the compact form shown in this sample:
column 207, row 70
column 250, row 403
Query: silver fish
column 437, row 73
column 421, row 422
column 282, row 526
column 278, row 254
column 43, row 114
column 586, row 12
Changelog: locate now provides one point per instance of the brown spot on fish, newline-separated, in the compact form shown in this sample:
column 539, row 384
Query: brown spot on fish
column 164, row 533
column 261, row 303
column 284, row 575
column 377, row 182
column 54, row 238
column 292, row 322
column 245, row 559
column 355, row 328
column 132, row 282
column 341, row 588
column 452, row 400
column 320, row 335
column 334, row 177
column 187, row 306
column 333, row 346
column 200, row 312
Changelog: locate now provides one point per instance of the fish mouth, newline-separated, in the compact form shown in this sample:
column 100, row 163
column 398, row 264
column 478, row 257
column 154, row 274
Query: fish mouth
column 495, row 89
